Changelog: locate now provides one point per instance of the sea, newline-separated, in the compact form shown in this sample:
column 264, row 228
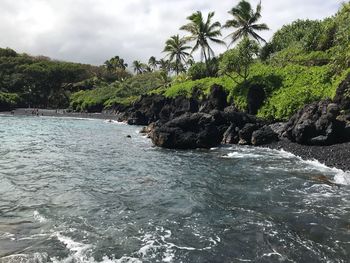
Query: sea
column 84, row 190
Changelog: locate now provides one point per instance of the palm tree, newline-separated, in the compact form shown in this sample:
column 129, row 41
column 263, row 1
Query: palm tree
column 202, row 32
column 164, row 65
column 153, row 63
column 245, row 22
column 138, row 67
column 176, row 49
column 115, row 63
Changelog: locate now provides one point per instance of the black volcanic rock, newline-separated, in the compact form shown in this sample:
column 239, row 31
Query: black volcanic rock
column 189, row 131
column 231, row 135
column 342, row 97
column 217, row 100
column 245, row 134
column 255, row 98
column 263, row 136
column 317, row 124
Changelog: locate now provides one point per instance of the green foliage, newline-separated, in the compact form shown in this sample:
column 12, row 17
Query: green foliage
column 306, row 33
column 123, row 93
column 296, row 55
column 201, row 70
column 8, row 101
column 7, row 52
column 239, row 59
column 197, row 71
column 287, row 88
column 341, row 49
column 39, row 81
column 300, row 85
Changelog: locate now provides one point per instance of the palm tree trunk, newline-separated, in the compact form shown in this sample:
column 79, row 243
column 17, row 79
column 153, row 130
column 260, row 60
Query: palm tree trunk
column 206, row 61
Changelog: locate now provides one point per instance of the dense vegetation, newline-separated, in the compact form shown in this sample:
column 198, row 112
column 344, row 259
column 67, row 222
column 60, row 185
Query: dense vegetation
column 303, row 62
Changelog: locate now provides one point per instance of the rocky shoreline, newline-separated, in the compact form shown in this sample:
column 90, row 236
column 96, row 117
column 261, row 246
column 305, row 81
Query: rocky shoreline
column 321, row 130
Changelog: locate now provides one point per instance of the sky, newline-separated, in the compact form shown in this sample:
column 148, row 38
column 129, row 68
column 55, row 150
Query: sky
column 92, row 31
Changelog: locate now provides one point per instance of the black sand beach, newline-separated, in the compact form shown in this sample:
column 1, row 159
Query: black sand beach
column 337, row 155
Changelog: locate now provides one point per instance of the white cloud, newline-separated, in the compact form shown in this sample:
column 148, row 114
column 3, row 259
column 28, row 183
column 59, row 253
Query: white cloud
column 92, row 31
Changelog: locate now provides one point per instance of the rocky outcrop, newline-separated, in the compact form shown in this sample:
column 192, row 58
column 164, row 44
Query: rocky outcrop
column 189, row 131
column 152, row 108
column 263, row 136
column 342, row 97
column 215, row 123
column 217, row 100
column 185, row 123
column 317, row 124
column 245, row 134
column 255, row 98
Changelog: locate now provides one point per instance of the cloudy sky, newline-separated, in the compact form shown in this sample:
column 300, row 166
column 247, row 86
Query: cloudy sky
column 91, row 31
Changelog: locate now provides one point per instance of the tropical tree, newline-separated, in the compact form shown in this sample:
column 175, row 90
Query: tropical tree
column 138, row 67
column 153, row 63
column 202, row 32
column 176, row 47
column 239, row 60
column 115, row 63
column 245, row 22
column 164, row 65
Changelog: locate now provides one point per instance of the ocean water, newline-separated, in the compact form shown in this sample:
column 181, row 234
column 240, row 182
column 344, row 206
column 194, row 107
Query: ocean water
column 76, row 190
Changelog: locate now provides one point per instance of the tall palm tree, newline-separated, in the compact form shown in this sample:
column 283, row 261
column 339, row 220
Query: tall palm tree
column 202, row 32
column 153, row 63
column 245, row 22
column 138, row 67
column 175, row 47
column 115, row 63
column 164, row 65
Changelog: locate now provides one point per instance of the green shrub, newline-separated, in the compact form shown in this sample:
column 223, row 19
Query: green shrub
column 8, row 101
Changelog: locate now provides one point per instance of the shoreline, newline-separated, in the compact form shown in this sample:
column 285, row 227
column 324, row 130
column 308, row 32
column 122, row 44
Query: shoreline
column 333, row 156
column 60, row 113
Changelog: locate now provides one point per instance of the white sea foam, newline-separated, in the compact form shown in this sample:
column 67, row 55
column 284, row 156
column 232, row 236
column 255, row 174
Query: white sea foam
column 27, row 258
column 339, row 176
column 239, row 155
column 115, row 122
column 38, row 217
column 79, row 253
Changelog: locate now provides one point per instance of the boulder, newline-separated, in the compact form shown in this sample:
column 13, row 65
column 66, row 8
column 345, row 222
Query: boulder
column 138, row 118
column 317, row 124
column 188, row 131
column 245, row 134
column 263, row 136
column 279, row 128
column 232, row 115
column 231, row 135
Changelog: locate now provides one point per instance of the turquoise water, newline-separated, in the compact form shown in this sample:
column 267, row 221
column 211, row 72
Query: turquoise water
column 80, row 191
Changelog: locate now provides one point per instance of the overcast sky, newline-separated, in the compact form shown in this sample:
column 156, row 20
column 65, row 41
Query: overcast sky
column 91, row 31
